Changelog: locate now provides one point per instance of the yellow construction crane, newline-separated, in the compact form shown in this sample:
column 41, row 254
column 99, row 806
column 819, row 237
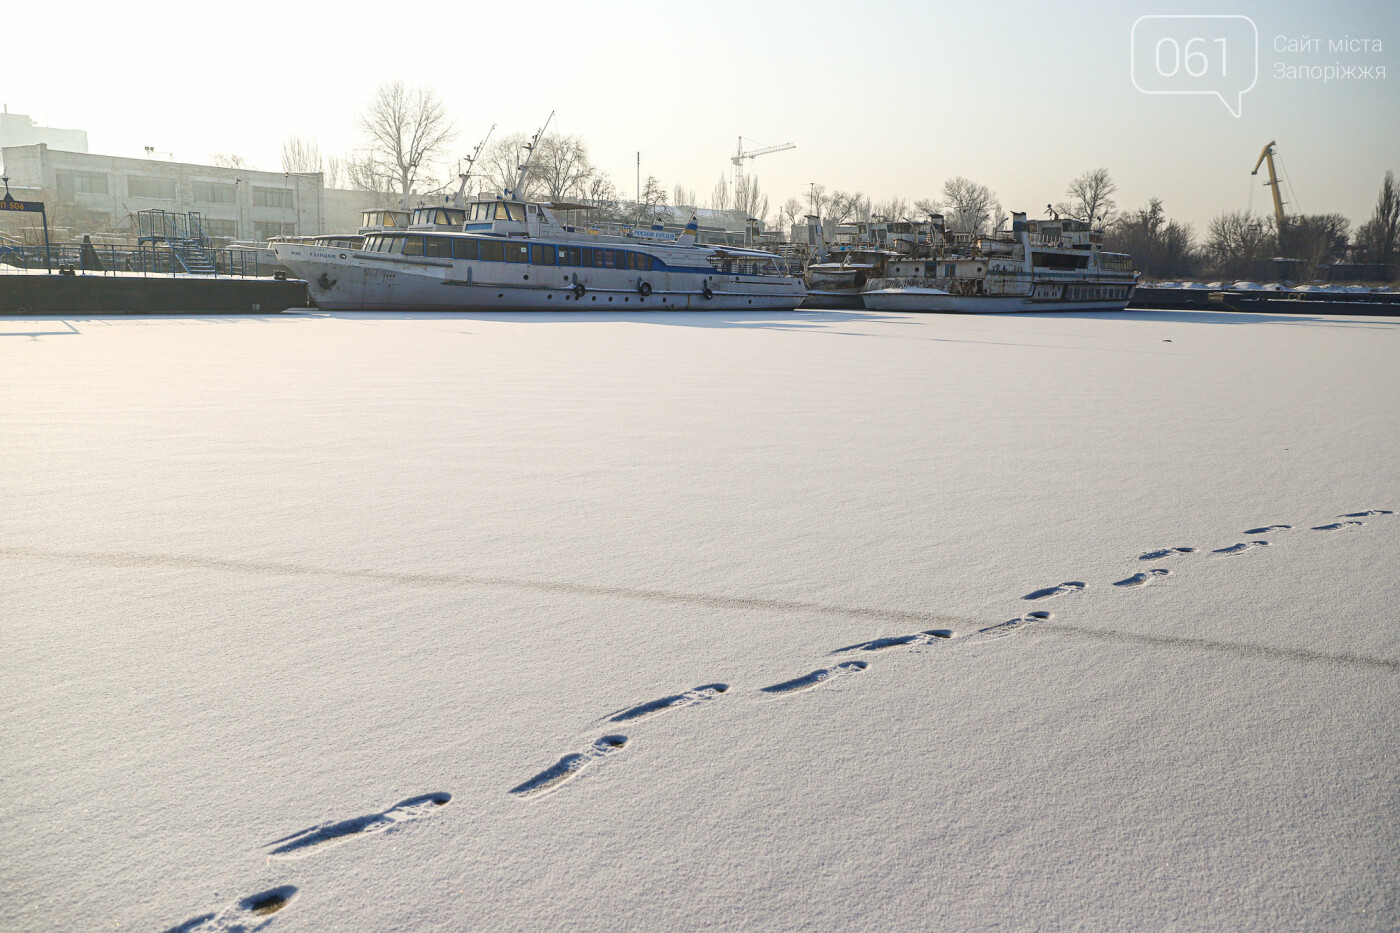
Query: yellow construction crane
column 1268, row 156
column 740, row 155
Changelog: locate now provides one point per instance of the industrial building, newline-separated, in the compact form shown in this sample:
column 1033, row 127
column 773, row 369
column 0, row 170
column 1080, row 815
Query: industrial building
column 96, row 193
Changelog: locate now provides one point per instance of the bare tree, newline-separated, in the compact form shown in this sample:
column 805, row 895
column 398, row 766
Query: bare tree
column 653, row 197
column 301, row 154
column 1378, row 239
column 361, row 175
column 817, row 199
column 896, row 208
column 499, row 164
column 559, row 169
column 1235, row 241
column 334, row 171
column 1314, row 240
column 789, row 212
column 971, row 206
column 681, row 196
column 1159, row 247
column 1090, row 197
column 406, row 129
column 719, row 197
column 926, row 207
column 603, row 194
column 848, row 208
column 229, row 160
column 750, row 199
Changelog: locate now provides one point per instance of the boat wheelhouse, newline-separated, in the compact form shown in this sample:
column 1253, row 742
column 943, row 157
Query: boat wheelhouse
column 437, row 218
column 383, row 219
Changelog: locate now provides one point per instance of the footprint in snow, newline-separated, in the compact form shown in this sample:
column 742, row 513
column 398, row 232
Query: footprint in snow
column 816, row 678
column 689, row 698
column 1063, row 588
column 568, row 767
column 302, row 844
column 247, row 915
column 1002, row 629
column 1240, row 548
column 899, row 641
column 1268, row 528
column 1335, row 526
column 1166, row 552
column 1142, row 579
column 1367, row 513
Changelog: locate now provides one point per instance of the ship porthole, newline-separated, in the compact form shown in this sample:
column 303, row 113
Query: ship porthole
column 502, row 295
column 595, row 297
column 550, row 297
column 610, row 298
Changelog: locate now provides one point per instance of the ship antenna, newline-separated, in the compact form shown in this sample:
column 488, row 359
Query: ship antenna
column 471, row 161
column 530, row 153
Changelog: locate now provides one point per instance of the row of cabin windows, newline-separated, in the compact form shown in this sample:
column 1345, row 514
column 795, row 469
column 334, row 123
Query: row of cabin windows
column 497, row 210
column 487, row 250
column 1099, row 293
column 730, row 265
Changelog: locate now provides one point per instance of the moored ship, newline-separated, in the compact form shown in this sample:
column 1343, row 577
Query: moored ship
column 1044, row 265
column 510, row 254
column 517, row 256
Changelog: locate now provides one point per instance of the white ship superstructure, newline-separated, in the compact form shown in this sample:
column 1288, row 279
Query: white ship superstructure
column 510, row 254
column 517, row 255
column 1044, row 265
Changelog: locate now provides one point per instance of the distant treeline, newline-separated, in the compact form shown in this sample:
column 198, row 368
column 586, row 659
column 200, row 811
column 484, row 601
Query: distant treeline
column 1243, row 245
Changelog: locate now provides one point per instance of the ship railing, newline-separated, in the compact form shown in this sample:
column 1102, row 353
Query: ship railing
column 1063, row 275
column 108, row 259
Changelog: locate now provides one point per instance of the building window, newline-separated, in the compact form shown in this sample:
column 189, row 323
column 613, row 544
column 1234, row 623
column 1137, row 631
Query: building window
column 210, row 193
column 224, row 229
column 71, row 183
column 266, row 230
column 272, row 197
column 161, row 189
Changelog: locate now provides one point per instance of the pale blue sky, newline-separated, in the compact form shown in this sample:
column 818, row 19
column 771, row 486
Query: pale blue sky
column 888, row 98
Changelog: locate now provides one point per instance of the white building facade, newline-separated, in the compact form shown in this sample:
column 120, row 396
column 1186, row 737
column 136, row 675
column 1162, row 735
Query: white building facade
column 233, row 203
column 17, row 129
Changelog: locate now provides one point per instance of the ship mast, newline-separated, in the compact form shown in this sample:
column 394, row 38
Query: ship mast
column 471, row 161
column 530, row 154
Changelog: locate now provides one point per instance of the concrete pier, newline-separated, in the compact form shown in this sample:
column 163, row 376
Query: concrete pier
column 31, row 292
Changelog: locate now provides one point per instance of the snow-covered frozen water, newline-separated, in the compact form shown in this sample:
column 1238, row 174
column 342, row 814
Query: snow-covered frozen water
column 406, row 622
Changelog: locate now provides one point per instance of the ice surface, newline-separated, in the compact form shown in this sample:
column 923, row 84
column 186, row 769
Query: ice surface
column 394, row 622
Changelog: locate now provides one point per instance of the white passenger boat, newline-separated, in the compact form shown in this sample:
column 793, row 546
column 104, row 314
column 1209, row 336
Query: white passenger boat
column 515, row 255
column 1044, row 265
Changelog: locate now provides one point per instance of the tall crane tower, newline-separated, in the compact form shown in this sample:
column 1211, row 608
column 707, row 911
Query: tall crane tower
column 740, row 155
column 1268, row 156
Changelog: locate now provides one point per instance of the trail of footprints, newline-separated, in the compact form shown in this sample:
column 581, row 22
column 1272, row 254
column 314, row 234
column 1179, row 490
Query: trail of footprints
column 255, row 912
